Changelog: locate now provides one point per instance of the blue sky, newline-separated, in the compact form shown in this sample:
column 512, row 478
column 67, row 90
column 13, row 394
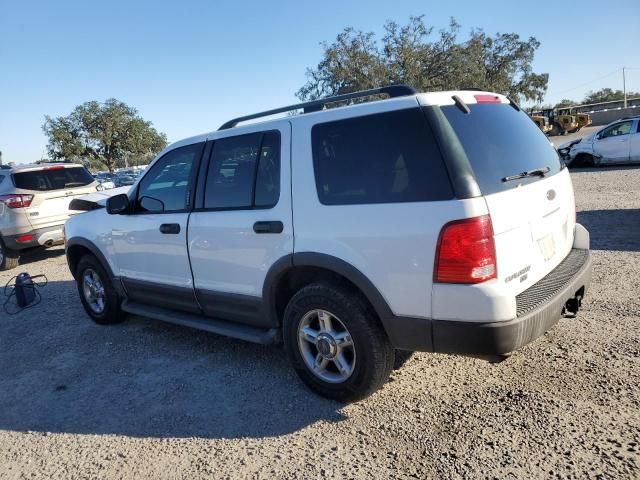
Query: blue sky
column 190, row 65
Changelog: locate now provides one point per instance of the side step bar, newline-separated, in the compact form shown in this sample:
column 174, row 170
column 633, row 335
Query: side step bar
column 212, row 325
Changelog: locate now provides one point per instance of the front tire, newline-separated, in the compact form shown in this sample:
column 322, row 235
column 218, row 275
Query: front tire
column 8, row 258
column 335, row 343
column 99, row 299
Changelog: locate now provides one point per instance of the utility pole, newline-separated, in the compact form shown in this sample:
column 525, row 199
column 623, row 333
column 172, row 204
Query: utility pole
column 624, row 88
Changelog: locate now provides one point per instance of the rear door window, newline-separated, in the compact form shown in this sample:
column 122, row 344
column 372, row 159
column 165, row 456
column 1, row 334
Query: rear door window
column 244, row 172
column 501, row 141
column 52, row 178
column 383, row 158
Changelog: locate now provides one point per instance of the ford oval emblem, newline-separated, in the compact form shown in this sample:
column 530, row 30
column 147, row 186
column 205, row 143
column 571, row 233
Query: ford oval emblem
column 551, row 194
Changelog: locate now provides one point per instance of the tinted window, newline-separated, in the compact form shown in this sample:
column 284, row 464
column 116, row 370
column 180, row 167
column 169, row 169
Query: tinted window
column 383, row 158
column 622, row 128
column 52, row 178
column 501, row 141
column 268, row 177
column 1, row 179
column 164, row 188
column 244, row 172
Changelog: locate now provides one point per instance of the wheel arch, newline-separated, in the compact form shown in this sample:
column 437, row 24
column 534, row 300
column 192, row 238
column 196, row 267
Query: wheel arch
column 292, row 272
column 76, row 248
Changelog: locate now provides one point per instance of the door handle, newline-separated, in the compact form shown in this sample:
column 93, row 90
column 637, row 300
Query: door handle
column 268, row 227
column 170, row 228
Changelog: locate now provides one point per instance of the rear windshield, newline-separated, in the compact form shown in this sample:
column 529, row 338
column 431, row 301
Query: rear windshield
column 501, row 141
column 52, row 178
column 383, row 158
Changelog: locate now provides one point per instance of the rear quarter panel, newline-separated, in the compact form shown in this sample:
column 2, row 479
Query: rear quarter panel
column 392, row 244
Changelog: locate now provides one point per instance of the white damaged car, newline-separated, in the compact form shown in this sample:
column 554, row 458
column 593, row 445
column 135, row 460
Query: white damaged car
column 616, row 143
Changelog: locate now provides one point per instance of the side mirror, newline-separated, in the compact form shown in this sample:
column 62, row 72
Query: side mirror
column 117, row 204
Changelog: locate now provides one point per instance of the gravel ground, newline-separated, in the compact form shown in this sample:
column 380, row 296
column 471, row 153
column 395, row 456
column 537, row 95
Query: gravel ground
column 145, row 399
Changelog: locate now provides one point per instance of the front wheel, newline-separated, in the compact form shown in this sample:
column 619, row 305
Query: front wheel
column 335, row 343
column 555, row 130
column 99, row 299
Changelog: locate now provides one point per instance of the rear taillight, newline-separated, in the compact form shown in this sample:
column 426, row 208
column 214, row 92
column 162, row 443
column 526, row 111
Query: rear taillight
column 24, row 238
column 16, row 201
column 466, row 252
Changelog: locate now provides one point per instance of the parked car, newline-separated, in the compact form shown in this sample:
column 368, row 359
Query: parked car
column 105, row 181
column 121, row 180
column 34, row 204
column 438, row 222
column 617, row 143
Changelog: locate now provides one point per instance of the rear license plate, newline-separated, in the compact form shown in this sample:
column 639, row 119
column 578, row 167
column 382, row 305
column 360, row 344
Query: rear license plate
column 547, row 246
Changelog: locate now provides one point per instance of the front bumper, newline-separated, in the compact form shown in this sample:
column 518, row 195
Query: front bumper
column 539, row 308
column 48, row 236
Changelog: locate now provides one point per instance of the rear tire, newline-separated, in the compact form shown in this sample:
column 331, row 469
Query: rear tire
column 99, row 299
column 8, row 258
column 319, row 320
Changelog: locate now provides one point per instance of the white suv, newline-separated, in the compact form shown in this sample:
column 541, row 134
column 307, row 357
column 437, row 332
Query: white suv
column 34, row 204
column 439, row 222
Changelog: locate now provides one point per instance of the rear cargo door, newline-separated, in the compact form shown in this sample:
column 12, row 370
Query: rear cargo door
column 53, row 188
column 533, row 216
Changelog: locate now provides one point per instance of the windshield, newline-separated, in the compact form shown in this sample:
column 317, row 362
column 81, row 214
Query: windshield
column 500, row 142
column 52, row 178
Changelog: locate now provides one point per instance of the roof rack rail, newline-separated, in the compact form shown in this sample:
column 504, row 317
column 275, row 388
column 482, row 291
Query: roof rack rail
column 317, row 105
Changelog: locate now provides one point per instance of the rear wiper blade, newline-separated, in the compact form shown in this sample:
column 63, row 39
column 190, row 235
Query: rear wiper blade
column 536, row 172
column 74, row 184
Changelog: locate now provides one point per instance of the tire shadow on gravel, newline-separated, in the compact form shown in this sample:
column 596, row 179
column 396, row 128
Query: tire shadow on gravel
column 617, row 229
column 60, row 372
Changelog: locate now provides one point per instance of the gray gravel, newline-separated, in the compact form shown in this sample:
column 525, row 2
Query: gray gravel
column 145, row 399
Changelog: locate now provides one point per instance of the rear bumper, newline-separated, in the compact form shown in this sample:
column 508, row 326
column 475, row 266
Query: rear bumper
column 539, row 308
column 41, row 236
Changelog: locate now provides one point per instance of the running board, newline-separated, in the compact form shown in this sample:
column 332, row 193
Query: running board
column 221, row 327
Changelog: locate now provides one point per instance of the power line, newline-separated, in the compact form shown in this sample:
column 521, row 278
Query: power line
column 587, row 83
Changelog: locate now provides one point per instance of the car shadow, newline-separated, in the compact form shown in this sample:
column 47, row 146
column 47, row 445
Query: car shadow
column 617, row 229
column 63, row 373
column 40, row 253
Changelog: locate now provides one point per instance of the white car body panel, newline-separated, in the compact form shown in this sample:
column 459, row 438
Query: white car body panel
column 226, row 254
column 144, row 253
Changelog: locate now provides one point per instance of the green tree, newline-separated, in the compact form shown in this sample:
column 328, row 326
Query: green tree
column 111, row 133
column 607, row 95
column 565, row 102
column 428, row 60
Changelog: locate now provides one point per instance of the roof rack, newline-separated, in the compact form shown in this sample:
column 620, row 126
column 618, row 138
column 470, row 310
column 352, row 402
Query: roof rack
column 317, row 105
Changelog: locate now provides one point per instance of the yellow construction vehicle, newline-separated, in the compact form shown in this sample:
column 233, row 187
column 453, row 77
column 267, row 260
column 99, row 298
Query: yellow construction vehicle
column 542, row 122
column 583, row 119
column 561, row 123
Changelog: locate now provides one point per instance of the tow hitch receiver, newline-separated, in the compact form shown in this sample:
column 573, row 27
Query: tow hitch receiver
column 572, row 305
